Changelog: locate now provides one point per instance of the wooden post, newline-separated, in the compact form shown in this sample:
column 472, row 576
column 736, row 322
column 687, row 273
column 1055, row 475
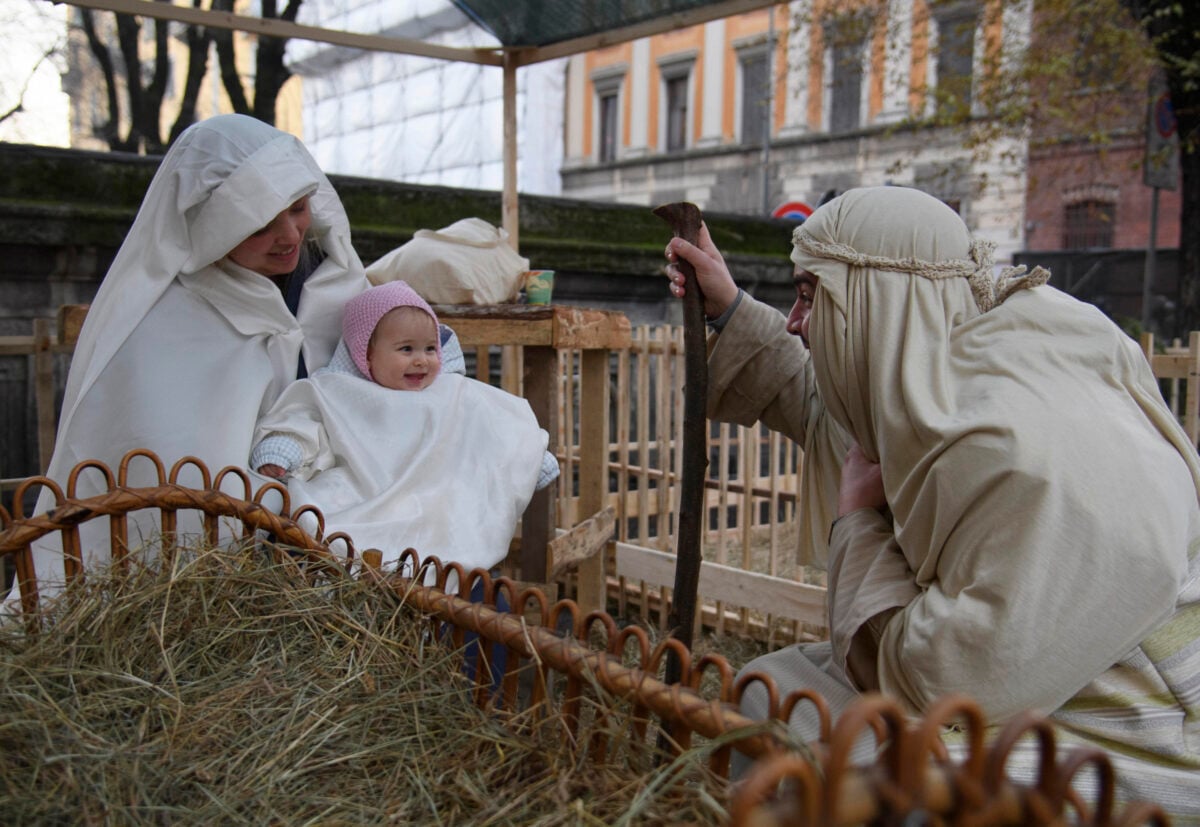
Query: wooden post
column 593, row 468
column 1191, row 417
column 537, row 526
column 510, row 218
column 43, row 390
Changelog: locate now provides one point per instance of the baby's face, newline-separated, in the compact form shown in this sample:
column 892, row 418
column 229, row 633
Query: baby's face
column 403, row 352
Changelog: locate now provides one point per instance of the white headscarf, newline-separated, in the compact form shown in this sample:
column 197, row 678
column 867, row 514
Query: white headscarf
column 182, row 350
column 1027, row 455
column 222, row 179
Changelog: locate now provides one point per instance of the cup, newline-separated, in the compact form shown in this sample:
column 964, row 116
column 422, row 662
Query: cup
column 539, row 285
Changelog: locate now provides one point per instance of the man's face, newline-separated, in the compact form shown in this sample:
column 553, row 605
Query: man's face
column 798, row 319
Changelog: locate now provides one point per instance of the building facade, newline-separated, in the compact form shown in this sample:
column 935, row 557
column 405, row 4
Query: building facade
column 422, row 120
column 792, row 104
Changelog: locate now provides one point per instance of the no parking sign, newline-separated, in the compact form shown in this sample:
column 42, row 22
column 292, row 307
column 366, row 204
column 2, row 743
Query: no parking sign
column 1162, row 139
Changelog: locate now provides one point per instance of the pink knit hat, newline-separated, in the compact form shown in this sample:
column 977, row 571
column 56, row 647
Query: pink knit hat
column 364, row 311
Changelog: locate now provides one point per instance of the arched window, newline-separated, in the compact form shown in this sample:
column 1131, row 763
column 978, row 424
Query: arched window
column 1089, row 223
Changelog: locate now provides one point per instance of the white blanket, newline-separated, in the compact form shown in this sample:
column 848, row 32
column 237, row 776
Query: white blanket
column 446, row 471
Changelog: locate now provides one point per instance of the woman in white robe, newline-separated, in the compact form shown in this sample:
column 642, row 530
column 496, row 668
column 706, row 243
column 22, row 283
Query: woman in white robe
column 1018, row 515
column 183, row 348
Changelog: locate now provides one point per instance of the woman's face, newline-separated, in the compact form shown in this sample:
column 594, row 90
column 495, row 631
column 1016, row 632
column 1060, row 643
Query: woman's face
column 798, row 319
column 275, row 249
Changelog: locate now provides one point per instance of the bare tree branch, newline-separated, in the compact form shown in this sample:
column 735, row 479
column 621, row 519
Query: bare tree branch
column 19, row 106
column 110, row 130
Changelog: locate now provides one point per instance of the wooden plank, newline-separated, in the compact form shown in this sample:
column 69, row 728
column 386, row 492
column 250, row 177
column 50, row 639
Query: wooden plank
column 576, row 327
column 43, row 392
column 662, row 433
column 537, row 524
column 508, row 198
column 477, row 332
column 1168, row 366
column 1191, row 415
column 593, row 467
column 570, row 448
column 483, row 364
column 582, row 542
column 276, row 27
column 70, row 322
column 622, row 466
column 786, row 598
column 643, row 437
column 774, row 444
column 558, row 325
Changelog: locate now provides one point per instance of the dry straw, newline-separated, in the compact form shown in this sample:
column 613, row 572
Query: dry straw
column 225, row 689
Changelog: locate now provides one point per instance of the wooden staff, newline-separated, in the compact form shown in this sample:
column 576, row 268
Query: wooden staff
column 684, row 218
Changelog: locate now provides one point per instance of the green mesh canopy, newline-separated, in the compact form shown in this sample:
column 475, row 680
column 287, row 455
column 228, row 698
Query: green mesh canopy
column 553, row 21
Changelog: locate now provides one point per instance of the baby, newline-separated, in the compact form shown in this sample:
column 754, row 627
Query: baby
column 397, row 452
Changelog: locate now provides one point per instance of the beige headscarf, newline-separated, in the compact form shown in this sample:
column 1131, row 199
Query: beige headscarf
column 1024, row 446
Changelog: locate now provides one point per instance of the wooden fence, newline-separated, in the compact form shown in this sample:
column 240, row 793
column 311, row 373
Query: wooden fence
column 1177, row 367
column 751, row 583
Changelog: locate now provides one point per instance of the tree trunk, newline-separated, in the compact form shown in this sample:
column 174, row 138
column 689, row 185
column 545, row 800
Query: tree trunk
column 128, row 39
column 152, row 97
column 270, row 71
column 110, row 130
column 227, row 61
column 1173, row 34
column 199, row 41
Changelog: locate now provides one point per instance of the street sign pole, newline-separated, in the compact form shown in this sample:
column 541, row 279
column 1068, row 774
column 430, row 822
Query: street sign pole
column 1151, row 256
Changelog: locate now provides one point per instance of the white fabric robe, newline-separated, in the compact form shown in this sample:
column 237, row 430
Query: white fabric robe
column 447, row 470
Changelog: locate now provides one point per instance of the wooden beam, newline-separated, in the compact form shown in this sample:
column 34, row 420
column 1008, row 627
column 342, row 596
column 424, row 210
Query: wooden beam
column 780, row 597
column 508, row 199
column 582, row 542
column 539, row 520
column 593, row 467
column 274, row 27
column 43, row 391
column 70, row 322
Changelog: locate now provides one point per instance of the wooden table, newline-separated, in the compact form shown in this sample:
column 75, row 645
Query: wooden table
column 543, row 331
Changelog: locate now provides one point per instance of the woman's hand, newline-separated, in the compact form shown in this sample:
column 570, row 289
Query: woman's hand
column 862, row 484
column 715, row 281
column 271, row 470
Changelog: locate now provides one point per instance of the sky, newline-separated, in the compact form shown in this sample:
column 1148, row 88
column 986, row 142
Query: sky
column 29, row 30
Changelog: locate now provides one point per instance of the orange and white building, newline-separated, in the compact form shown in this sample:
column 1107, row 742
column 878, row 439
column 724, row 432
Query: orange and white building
column 793, row 102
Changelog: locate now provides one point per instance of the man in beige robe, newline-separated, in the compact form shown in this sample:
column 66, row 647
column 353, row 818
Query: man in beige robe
column 1016, row 509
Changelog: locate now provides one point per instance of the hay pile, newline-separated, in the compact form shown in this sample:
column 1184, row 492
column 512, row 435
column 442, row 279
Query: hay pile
column 228, row 690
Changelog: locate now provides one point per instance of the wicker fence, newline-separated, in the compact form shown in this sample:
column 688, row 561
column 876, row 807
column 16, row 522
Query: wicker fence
column 567, row 657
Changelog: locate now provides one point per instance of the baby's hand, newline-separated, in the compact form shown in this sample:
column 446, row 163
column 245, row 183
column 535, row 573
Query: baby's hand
column 272, row 470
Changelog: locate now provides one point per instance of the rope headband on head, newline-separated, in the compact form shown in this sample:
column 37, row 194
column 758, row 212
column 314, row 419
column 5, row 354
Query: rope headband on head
column 988, row 292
